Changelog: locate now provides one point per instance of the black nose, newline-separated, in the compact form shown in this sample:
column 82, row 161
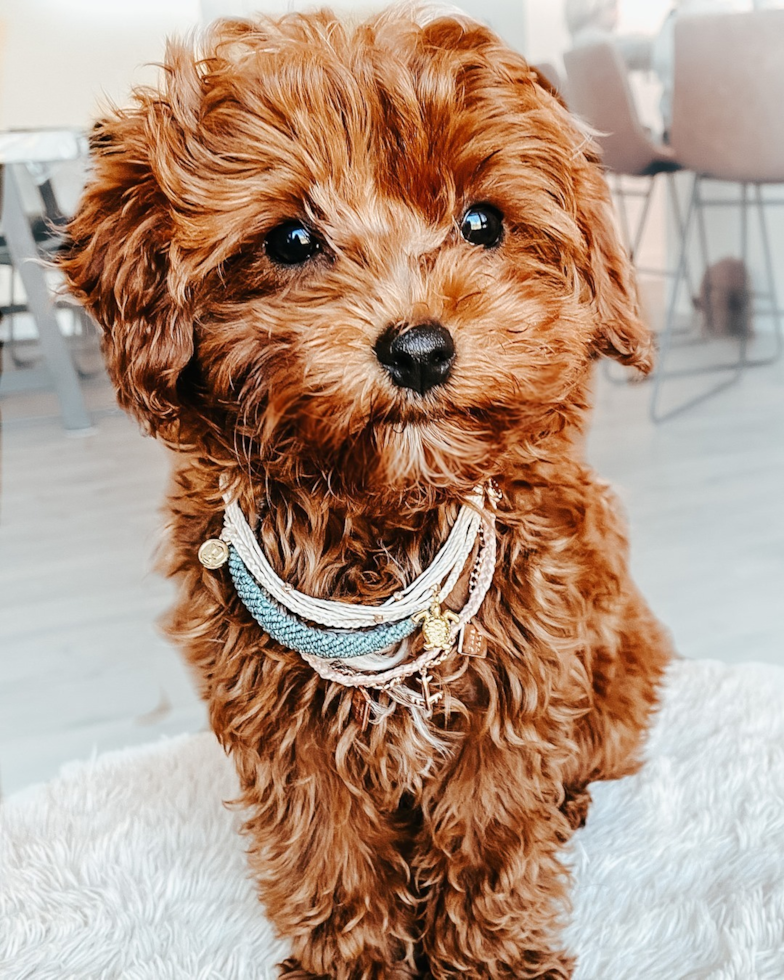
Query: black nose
column 418, row 357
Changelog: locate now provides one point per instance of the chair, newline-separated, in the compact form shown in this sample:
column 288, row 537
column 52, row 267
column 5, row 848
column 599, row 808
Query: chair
column 727, row 125
column 599, row 92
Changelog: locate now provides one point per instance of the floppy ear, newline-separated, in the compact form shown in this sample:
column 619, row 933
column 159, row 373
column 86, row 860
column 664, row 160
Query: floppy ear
column 118, row 261
column 620, row 330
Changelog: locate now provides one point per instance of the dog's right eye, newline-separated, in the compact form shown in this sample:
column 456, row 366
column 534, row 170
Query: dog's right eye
column 482, row 225
column 292, row 243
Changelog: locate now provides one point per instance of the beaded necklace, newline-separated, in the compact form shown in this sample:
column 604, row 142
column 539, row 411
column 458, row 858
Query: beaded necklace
column 365, row 647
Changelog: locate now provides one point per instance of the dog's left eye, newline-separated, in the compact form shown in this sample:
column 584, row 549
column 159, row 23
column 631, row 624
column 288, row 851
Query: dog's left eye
column 292, row 243
column 482, row 225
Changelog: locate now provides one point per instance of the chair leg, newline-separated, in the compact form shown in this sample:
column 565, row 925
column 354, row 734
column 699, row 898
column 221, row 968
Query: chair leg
column 775, row 311
column 672, row 193
column 704, row 255
column 665, row 341
column 13, row 341
column 619, row 193
column 643, row 219
column 744, row 257
column 667, row 334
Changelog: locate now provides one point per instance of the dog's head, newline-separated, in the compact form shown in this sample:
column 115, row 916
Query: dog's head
column 370, row 255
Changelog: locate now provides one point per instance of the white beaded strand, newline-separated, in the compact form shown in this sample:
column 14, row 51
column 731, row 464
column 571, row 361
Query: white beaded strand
column 347, row 675
column 388, row 670
column 442, row 575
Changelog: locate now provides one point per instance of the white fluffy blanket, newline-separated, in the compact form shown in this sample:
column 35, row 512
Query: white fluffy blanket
column 129, row 867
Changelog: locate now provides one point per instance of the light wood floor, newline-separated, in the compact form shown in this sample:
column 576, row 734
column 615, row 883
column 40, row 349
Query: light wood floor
column 82, row 668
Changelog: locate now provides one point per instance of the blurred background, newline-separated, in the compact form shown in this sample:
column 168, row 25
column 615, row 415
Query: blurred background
column 685, row 99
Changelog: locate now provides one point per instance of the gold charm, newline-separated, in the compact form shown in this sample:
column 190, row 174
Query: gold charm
column 431, row 697
column 472, row 643
column 214, row 553
column 437, row 627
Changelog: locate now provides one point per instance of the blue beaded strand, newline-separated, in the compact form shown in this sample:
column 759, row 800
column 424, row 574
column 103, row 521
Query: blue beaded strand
column 296, row 635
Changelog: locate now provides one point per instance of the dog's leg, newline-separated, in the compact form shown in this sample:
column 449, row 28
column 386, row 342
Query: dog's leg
column 349, row 913
column 489, row 870
column 625, row 694
column 329, row 866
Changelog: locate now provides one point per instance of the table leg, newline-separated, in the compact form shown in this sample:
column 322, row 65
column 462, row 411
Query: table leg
column 24, row 255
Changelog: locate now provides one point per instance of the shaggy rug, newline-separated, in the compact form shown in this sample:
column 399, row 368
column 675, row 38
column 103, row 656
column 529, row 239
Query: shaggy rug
column 130, row 867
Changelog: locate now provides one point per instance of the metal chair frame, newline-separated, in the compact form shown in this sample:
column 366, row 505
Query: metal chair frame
column 697, row 205
column 633, row 243
column 726, row 127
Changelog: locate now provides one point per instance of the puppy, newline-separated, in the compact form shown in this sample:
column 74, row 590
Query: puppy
column 350, row 274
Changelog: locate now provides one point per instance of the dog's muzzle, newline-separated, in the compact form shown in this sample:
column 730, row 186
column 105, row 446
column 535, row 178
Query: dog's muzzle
column 419, row 358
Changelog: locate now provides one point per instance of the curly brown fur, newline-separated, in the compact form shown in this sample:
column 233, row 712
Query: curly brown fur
column 391, row 852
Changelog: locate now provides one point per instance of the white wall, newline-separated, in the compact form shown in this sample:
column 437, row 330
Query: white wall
column 547, row 37
column 507, row 17
column 60, row 58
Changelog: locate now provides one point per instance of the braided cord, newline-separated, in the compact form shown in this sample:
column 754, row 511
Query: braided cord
column 348, row 676
column 485, row 569
column 383, row 679
column 448, row 564
column 296, row 635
